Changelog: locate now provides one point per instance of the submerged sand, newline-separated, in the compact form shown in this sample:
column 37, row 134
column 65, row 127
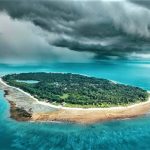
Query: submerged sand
column 25, row 107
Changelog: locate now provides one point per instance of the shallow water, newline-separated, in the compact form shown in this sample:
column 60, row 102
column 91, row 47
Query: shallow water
column 28, row 81
column 114, row 135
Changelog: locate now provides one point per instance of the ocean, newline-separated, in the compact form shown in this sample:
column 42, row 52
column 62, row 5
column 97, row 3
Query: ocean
column 126, row 134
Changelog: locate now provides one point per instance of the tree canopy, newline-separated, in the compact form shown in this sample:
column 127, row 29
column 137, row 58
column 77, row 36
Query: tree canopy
column 75, row 89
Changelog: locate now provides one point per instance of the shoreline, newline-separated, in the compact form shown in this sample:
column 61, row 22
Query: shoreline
column 43, row 111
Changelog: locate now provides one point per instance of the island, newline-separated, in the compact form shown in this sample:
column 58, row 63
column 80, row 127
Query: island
column 71, row 97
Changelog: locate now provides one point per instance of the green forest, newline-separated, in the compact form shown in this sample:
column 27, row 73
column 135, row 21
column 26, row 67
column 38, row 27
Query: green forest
column 76, row 90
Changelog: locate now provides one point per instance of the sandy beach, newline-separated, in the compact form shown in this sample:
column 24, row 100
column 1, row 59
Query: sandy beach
column 42, row 111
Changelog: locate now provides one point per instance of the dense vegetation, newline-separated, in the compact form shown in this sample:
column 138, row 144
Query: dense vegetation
column 76, row 89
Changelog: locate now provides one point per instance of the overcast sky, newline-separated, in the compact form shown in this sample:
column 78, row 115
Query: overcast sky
column 73, row 30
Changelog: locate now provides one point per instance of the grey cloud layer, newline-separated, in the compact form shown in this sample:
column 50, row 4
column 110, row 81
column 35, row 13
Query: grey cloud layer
column 99, row 29
column 23, row 42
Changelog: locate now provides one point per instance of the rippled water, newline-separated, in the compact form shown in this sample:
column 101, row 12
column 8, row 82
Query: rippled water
column 114, row 135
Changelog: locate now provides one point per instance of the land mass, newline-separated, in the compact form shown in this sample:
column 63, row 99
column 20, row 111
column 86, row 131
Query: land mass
column 59, row 89
column 76, row 90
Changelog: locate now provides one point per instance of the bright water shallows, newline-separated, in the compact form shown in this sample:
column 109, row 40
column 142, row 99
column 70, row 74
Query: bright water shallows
column 114, row 135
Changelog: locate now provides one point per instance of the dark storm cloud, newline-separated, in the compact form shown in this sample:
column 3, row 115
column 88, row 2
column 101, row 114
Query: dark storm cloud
column 144, row 3
column 94, row 29
column 42, row 13
column 23, row 42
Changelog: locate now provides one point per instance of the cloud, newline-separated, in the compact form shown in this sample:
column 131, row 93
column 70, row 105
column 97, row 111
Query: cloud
column 76, row 30
column 22, row 41
column 140, row 56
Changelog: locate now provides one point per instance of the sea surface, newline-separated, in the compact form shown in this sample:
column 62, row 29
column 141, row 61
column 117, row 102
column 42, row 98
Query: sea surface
column 127, row 134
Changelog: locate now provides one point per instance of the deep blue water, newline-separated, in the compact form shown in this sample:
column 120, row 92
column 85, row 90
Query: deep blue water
column 126, row 134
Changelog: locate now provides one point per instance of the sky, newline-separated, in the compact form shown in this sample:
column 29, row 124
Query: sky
column 74, row 30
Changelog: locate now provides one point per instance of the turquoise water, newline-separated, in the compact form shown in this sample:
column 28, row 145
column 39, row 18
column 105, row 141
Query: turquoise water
column 113, row 135
column 28, row 81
